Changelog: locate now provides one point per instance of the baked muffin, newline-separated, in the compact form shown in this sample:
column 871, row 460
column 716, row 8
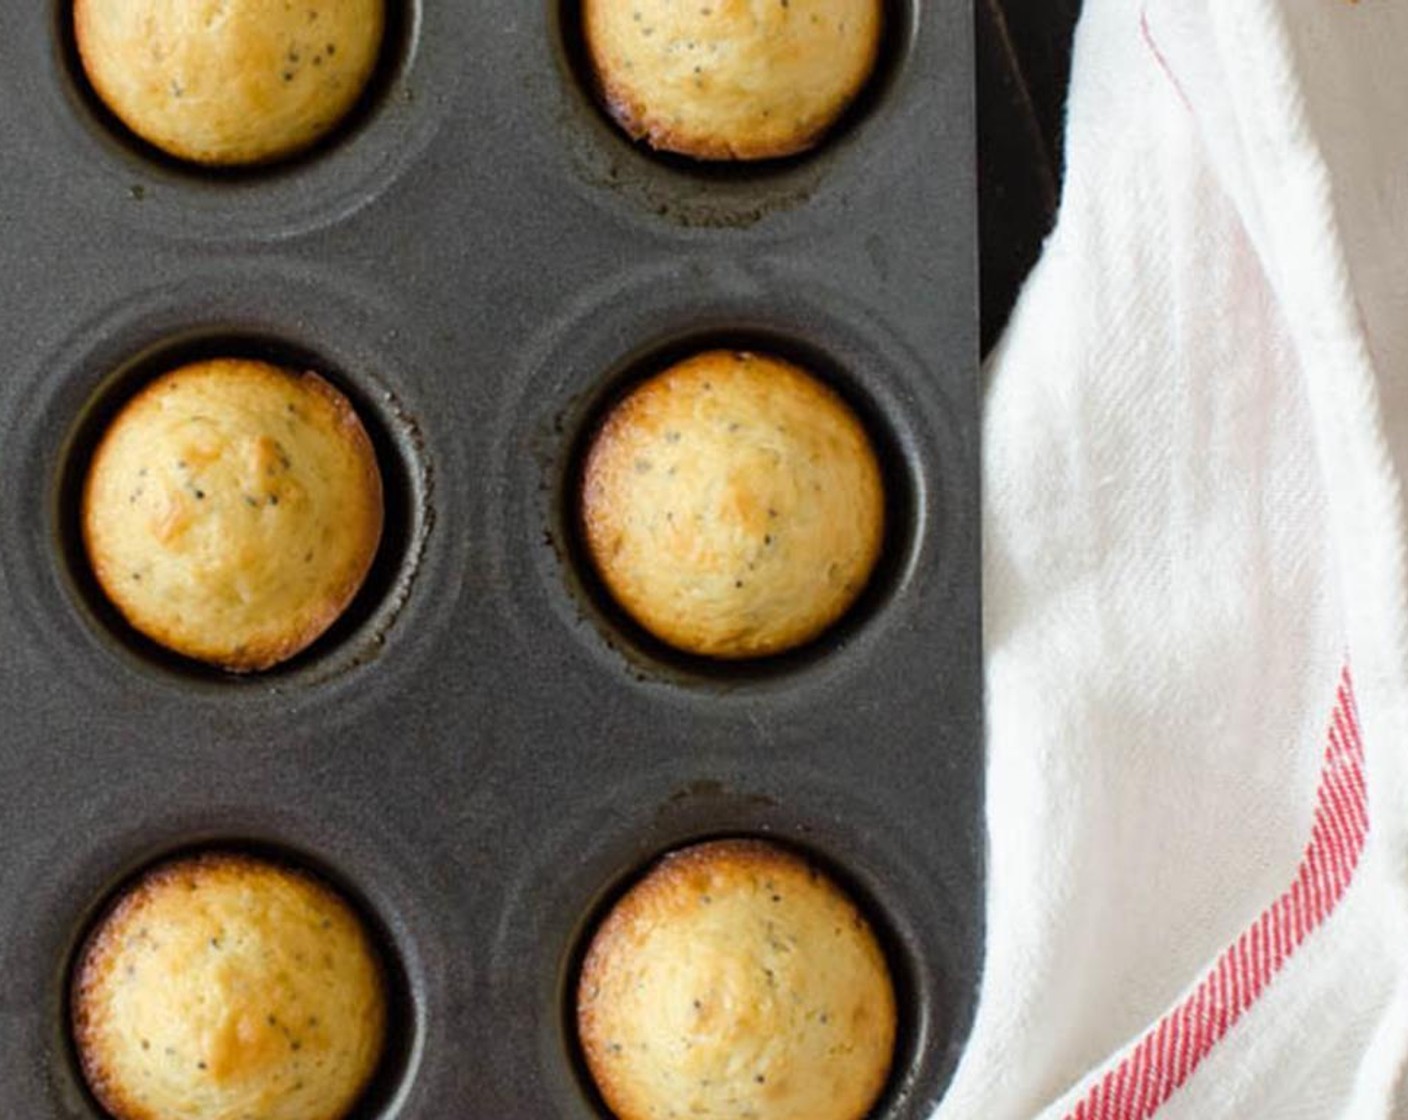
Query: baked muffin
column 221, row 987
column 733, row 505
column 225, row 82
column 731, row 79
column 232, row 510
column 736, row 980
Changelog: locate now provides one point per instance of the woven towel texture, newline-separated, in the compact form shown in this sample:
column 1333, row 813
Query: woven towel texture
column 1195, row 427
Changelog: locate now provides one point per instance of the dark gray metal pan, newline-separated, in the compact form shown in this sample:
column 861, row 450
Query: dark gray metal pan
column 484, row 751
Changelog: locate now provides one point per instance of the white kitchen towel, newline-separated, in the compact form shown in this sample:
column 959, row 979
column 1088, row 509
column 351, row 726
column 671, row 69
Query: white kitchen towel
column 1197, row 670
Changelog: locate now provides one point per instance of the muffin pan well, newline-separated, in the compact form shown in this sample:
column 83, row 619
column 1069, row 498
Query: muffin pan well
column 388, row 63
column 391, row 1064
column 125, row 181
column 484, row 753
column 868, row 138
column 372, row 610
column 770, row 990
column 564, row 476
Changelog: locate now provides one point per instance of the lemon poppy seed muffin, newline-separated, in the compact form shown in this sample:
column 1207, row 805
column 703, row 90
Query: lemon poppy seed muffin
column 733, row 505
column 736, row 980
column 731, row 79
column 232, row 511
column 226, row 82
column 220, row 987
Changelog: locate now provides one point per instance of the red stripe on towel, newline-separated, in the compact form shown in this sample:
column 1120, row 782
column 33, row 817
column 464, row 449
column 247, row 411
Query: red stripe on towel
column 1170, row 1051
column 1153, row 46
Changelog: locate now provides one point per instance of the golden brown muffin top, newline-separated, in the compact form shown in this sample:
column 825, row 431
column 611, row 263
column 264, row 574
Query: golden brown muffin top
column 731, row 79
column 225, row 82
column 232, row 511
column 736, row 980
column 733, row 505
column 221, row 986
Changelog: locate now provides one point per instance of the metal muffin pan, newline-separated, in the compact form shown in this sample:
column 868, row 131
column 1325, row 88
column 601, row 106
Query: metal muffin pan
column 485, row 752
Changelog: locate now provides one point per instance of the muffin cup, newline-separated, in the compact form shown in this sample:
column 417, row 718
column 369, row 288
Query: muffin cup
column 400, row 1013
column 549, row 923
column 125, row 182
column 691, row 193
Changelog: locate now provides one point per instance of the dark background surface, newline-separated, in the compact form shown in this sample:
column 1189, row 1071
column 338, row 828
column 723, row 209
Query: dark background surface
column 1023, row 69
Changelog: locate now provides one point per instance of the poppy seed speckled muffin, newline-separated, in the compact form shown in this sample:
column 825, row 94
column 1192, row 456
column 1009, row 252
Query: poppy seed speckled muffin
column 733, row 505
column 226, row 82
column 731, row 79
column 232, row 511
column 737, row 980
column 222, row 986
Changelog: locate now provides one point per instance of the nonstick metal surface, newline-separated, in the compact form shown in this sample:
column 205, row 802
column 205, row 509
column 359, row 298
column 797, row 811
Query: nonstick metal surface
column 484, row 751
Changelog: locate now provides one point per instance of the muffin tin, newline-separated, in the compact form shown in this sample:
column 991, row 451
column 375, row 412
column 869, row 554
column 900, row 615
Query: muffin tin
column 484, row 752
